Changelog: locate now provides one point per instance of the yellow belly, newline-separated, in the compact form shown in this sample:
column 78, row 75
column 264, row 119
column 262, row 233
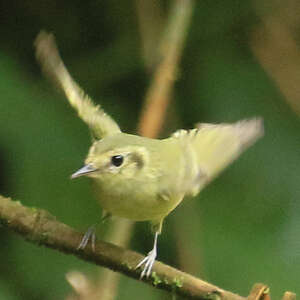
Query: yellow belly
column 140, row 205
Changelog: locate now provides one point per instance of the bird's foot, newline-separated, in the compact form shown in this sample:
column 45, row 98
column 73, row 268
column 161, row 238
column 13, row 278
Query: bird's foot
column 89, row 235
column 148, row 262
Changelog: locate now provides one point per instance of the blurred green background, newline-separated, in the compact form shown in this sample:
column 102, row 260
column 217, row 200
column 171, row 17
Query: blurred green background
column 241, row 59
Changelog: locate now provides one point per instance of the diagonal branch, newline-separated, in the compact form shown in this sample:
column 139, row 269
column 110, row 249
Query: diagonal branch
column 159, row 92
column 40, row 227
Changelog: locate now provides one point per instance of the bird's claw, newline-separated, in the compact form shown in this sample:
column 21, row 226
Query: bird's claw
column 90, row 234
column 148, row 261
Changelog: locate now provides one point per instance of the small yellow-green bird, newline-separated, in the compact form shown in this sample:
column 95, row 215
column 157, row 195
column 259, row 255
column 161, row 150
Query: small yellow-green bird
column 139, row 178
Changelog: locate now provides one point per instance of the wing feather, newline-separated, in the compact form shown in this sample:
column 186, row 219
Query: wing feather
column 211, row 147
column 99, row 122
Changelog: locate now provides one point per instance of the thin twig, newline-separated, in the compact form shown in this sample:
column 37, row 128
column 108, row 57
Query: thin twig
column 40, row 227
column 150, row 23
column 277, row 51
column 159, row 92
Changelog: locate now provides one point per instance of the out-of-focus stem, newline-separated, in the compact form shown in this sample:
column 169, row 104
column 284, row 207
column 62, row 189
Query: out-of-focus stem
column 277, row 51
column 160, row 90
column 150, row 22
column 119, row 233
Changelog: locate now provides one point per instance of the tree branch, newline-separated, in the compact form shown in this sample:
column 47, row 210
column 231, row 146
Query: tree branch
column 40, row 227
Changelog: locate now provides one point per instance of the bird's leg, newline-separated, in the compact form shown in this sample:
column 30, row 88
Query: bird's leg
column 90, row 234
column 149, row 260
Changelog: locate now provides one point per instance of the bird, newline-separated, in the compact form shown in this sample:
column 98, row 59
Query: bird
column 140, row 178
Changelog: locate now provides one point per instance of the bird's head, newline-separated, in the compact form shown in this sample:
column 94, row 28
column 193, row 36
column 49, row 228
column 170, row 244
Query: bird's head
column 121, row 155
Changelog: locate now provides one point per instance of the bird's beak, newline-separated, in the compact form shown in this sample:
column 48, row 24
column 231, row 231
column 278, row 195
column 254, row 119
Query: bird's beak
column 84, row 171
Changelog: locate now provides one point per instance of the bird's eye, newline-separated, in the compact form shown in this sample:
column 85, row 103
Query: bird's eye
column 117, row 160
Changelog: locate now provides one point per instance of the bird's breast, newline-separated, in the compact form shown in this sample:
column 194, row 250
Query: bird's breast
column 134, row 200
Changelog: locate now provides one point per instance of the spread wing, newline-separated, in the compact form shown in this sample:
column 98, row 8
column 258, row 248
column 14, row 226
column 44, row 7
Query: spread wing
column 211, row 147
column 47, row 54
